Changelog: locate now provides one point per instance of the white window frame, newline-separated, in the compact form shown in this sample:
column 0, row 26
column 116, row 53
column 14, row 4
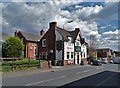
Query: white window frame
column 68, row 55
column 43, row 42
column 72, row 54
column 36, row 50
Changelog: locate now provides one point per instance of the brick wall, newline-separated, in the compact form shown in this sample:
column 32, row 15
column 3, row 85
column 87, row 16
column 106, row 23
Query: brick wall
column 44, row 65
column 85, row 61
column 68, row 62
column 65, row 62
column 30, row 50
column 29, row 46
column 50, row 42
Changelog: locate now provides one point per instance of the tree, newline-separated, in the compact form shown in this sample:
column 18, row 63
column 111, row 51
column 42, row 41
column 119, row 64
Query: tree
column 12, row 47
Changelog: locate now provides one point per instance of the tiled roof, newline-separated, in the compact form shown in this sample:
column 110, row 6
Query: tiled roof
column 30, row 36
column 63, row 32
column 74, row 33
column 103, row 49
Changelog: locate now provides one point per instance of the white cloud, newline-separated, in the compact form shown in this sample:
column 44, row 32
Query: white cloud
column 103, row 27
column 110, row 39
column 107, row 1
column 78, row 6
column 33, row 17
column 111, row 33
column 109, row 10
column 87, row 13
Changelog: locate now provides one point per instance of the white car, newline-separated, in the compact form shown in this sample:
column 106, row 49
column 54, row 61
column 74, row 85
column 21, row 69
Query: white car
column 104, row 60
column 111, row 61
column 116, row 60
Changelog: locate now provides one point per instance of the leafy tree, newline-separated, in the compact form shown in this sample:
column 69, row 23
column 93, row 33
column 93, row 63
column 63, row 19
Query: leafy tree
column 12, row 47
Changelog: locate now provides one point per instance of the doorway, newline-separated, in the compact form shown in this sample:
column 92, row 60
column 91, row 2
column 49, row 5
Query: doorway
column 77, row 58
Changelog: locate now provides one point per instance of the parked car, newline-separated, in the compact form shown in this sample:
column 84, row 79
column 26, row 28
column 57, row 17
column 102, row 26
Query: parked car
column 116, row 60
column 111, row 61
column 104, row 60
column 90, row 60
column 96, row 62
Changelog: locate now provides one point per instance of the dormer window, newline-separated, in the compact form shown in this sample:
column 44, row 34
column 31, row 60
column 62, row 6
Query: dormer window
column 43, row 42
column 77, row 44
column 69, row 39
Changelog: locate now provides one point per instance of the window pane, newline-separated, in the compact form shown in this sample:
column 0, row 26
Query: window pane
column 67, row 55
column 44, row 43
column 71, row 54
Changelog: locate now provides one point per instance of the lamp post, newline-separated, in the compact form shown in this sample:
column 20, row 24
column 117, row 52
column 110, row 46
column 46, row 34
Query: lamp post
column 63, row 39
column 67, row 22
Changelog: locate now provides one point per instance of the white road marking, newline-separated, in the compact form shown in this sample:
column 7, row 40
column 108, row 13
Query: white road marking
column 79, row 72
column 83, row 72
column 44, row 81
column 74, row 67
column 106, row 80
column 87, row 70
column 100, row 68
column 44, row 71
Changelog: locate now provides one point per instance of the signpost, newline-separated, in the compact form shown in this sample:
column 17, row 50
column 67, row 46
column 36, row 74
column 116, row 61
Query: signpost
column 77, row 49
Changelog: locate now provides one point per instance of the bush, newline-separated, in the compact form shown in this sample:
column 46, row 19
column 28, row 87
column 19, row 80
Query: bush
column 19, row 65
column 20, row 62
column 12, row 47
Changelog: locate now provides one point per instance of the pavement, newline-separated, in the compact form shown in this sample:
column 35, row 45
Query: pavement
column 36, row 70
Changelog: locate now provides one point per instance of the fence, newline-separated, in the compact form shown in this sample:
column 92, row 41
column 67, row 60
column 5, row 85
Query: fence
column 14, row 64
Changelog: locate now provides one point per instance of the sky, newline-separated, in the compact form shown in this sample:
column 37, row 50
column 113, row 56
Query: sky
column 98, row 20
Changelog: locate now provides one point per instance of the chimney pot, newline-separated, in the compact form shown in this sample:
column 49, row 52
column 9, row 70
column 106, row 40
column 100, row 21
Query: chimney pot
column 77, row 29
column 53, row 24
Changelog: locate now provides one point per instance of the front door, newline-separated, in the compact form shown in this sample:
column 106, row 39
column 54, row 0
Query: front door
column 78, row 58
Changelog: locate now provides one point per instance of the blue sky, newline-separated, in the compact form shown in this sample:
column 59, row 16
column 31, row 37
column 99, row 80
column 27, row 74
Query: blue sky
column 98, row 19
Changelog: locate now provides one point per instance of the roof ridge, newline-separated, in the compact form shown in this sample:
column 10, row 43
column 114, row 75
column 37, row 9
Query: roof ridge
column 62, row 29
column 29, row 33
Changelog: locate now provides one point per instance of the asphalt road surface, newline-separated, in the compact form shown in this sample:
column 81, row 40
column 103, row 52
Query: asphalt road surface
column 87, row 75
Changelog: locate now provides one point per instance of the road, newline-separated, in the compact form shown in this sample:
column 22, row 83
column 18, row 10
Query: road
column 87, row 75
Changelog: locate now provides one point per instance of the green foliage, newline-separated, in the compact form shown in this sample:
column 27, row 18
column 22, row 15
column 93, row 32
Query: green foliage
column 6, row 69
column 19, row 65
column 22, row 56
column 20, row 62
column 12, row 47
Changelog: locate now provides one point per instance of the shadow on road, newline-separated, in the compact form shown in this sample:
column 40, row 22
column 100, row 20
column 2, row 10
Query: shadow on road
column 106, row 79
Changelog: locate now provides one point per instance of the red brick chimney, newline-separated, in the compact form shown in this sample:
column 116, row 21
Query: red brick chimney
column 52, row 25
column 77, row 29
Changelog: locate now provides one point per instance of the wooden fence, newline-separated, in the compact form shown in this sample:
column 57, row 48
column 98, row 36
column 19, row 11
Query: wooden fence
column 14, row 66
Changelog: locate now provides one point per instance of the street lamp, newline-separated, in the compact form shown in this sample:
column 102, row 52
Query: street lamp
column 67, row 22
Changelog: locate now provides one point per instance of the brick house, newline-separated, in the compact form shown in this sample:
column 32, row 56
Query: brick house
column 60, row 46
column 30, row 42
column 105, row 53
